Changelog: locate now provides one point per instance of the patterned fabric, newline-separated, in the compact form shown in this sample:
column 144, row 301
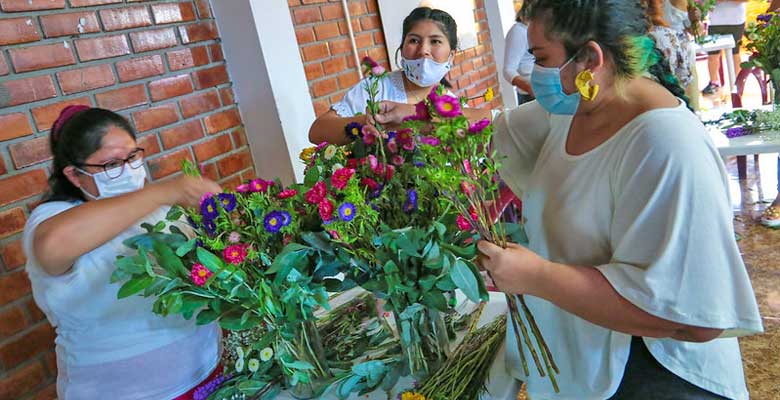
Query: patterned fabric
column 677, row 46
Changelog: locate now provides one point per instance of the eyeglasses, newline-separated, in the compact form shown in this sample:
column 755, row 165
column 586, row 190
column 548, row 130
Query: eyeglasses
column 113, row 169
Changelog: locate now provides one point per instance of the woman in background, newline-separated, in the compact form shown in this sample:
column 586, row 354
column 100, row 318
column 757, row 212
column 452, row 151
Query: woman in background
column 518, row 61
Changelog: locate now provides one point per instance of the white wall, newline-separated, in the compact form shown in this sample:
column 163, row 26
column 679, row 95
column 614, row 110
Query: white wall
column 501, row 17
column 265, row 66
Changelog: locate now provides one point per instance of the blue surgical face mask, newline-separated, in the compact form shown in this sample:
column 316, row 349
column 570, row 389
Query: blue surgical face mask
column 548, row 90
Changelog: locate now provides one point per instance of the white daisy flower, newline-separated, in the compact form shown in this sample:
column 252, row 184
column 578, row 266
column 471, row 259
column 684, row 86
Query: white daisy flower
column 330, row 151
column 266, row 354
column 240, row 365
column 253, row 365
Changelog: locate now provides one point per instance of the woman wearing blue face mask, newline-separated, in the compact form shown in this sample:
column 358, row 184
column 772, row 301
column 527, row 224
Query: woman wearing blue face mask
column 631, row 271
column 108, row 348
column 430, row 39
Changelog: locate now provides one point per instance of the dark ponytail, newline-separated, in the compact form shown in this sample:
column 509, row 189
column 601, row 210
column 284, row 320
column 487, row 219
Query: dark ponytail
column 76, row 135
column 441, row 18
column 620, row 27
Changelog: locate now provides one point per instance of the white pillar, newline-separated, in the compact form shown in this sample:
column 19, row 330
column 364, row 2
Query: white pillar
column 271, row 88
column 501, row 17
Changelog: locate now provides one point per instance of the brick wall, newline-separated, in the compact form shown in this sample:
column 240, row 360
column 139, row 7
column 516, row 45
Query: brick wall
column 321, row 30
column 159, row 63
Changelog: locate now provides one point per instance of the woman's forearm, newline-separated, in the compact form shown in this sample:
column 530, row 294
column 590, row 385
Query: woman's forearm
column 63, row 238
column 329, row 128
column 585, row 292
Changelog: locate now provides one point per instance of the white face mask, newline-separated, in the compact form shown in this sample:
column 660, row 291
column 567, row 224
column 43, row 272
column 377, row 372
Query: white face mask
column 130, row 180
column 425, row 72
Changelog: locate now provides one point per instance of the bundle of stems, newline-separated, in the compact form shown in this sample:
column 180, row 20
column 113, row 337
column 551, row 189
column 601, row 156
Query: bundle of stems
column 464, row 374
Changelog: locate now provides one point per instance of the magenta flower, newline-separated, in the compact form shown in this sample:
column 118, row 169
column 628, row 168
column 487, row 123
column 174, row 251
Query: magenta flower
column 260, row 185
column 326, row 210
column 373, row 163
column 370, row 184
column 368, row 136
column 479, row 126
column 433, row 96
column 392, row 146
column 422, row 111
column 368, row 61
column 463, row 223
column 235, row 254
column 430, row 140
column 199, row 274
column 397, row 160
column 341, row 177
column 467, row 167
column 447, row 106
column 287, row 193
column 317, row 193
column 243, row 188
column 378, row 70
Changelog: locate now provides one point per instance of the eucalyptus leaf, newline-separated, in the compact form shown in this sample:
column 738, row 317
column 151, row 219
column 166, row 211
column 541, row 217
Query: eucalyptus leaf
column 206, row 316
column 134, row 286
column 168, row 259
column 187, row 247
column 250, row 387
column 465, row 280
column 347, row 386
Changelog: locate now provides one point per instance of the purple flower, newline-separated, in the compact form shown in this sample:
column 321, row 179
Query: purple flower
column 203, row 391
column 354, row 129
column 411, row 201
column 208, row 208
column 764, row 17
column 347, row 212
column 192, row 222
column 210, row 227
column 738, row 131
column 376, row 192
column 419, row 164
column 430, row 140
column 274, row 221
column 286, row 218
column 228, row 201
column 447, row 106
column 479, row 126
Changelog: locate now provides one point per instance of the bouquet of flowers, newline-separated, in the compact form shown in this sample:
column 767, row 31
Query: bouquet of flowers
column 764, row 44
column 700, row 8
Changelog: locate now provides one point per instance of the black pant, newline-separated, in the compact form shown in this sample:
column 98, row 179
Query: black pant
column 645, row 378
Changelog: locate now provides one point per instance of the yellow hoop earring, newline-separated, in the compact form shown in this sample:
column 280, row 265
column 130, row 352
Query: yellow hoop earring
column 585, row 85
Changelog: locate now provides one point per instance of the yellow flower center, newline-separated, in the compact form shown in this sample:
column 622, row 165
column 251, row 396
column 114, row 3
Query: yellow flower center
column 273, row 221
column 447, row 107
column 355, row 131
column 234, row 254
column 210, row 208
column 202, row 273
column 348, row 212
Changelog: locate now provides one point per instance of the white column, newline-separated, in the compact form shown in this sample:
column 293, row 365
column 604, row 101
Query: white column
column 501, row 17
column 271, row 88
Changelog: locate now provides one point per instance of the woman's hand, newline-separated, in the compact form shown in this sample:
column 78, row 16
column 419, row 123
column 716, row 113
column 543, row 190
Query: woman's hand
column 514, row 269
column 188, row 191
column 391, row 114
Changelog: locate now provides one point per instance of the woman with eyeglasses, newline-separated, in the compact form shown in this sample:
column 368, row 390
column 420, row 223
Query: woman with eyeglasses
column 109, row 348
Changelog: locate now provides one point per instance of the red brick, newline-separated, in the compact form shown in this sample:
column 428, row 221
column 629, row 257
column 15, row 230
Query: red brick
column 37, row 341
column 41, row 57
column 340, row 46
column 307, row 15
column 172, row 12
column 216, row 52
column 326, row 31
column 332, row 11
column 372, row 22
column 239, row 138
column 182, row 134
column 21, row 186
column 55, row 25
column 20, row 382
column 231, row 183
column 153, row 40
column 321, row 107
column 304, row 35
column 4, row 70
column 170, row 87
column 378, row 53
column 156, row 117
column 18, row 30
column 47, row 393
column 139, row 68
column 123, row 98
column 35, row 313
column 234, row 163
column 227, row 96
column 348, row 80
column 83, row 79
column 314, row 1
column 363, row 40
column 222, row 120
column 357, row 8
column 324, row 87
column 87, row 3
column 212, row 148
column 198, row 32
column 373, row 7
column 313, row 71
column 248, row 175
column 50, row 361
column 102, row 47
column 210, row 77
column 150, row 144
column 210, row 171
column 30, row 152
column 11, row 222
column 13, row 255
column 115, row 19
column 199, row 103
column 188, row 58
column 46, row 115
column 14, row 126
column 168, row 164
column 12, row 320
column 3, row 169
column 335, row 65
column 314, row 52
column 30, row 5
column 204, row 8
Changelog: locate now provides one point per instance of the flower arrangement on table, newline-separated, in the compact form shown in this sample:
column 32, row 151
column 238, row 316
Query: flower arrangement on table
column 764, row 44
column 702, row 9
column 747, row 122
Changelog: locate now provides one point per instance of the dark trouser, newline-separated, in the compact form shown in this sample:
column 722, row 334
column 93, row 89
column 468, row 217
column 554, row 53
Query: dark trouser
column 523, row 98
column 645, row 378
column 737, row 31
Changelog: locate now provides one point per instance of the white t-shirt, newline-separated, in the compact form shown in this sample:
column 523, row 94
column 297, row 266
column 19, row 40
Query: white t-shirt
column 729, row 13
column 650, row 209
column 517, row 60
column 109, row 347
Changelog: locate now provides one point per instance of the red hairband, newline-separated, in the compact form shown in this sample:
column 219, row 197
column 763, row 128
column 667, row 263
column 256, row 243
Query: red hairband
column 65, row 115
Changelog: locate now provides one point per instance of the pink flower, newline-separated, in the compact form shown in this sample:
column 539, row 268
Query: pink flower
column 467, row 167
column 317, row 193
column 392, row 146
column 243, row 188
column 463, row 223
column 286, row 239
column 378, row 70
column 433, row 96
column 368, row 135
column 479, row 126
column 335, row 235
column 260, row 185
column 370, row 184
column 235, row 254
column 199, row 274
column 447, row 106
column 352, row 163
column 341, row 177
column 326, row 210
column 369, row 62
column 389, row 171
column 373, row 163
column 287, row 193
column 430, row 140
column 422, row 111
column 397, row 160
column 322, row 146
column 234, row 237
column 466, row 188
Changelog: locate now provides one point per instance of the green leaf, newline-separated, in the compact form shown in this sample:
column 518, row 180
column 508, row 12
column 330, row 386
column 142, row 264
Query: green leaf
column 319, row 241
column 435, row 299
column 465, row 280
column 206, row 316
column 212, row 263
column 446, row 284
column 130, row 265
column 433, row 258
column 190, row 304
column 174, row 213
column 134, row 286
column 159, row 226
column 250, row 387
column 168, row 259
column 292, row 255
column 299, row 365
column 187, row 247
column 369, row 368
column 312, row 176
column 346, row 387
